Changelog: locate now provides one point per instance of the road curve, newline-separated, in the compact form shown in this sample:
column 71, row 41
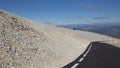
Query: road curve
column 97, row 55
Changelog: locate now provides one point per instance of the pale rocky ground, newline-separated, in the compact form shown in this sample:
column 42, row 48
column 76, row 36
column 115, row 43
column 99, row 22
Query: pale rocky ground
column 27, row 44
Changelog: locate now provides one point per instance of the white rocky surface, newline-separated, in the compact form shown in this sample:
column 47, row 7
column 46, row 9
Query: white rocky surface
column 27, row 44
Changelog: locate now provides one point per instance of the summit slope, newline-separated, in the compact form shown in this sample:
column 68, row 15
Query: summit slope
column 27, row 44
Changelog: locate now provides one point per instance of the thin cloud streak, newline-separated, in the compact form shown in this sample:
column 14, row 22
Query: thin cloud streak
column 95, row 8
column 100, row 17
column 90, row 6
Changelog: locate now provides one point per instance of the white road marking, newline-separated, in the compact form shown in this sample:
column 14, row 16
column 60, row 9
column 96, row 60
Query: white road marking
column 84, row 55
column 88, row 49
column 75, row 65
column 81, row 60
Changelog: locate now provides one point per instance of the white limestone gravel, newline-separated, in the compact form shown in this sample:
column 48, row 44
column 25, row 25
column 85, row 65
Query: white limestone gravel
column 27, row 44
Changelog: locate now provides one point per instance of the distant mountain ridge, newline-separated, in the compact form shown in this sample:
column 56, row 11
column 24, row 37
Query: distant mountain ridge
column 92, row 24
column 110, row 29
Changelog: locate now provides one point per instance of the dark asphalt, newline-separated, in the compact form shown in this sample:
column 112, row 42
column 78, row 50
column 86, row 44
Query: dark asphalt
column 101, row 55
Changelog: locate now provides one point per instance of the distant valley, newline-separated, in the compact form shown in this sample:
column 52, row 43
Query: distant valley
column 110, row 29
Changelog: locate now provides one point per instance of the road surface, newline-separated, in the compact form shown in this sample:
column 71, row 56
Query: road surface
column 97, row 55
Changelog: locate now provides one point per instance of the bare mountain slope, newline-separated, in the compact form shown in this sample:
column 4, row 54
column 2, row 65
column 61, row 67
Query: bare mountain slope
column 26, row 44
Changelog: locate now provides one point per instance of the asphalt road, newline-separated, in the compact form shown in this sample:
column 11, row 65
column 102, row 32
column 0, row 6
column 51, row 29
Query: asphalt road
column 97, row 55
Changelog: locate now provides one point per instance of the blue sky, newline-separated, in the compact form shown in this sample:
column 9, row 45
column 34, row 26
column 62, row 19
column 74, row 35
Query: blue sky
column 65, row 11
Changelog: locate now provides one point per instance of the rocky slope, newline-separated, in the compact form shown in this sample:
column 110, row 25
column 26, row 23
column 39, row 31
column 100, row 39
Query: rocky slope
column 27, row 44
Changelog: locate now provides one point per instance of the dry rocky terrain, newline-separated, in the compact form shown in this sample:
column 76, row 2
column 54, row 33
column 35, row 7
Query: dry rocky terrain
column 27, row 44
